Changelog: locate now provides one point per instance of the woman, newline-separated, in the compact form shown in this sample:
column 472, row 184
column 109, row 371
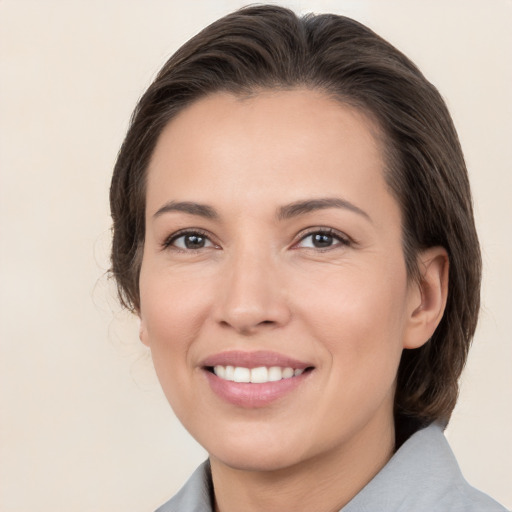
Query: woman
column 293, row 226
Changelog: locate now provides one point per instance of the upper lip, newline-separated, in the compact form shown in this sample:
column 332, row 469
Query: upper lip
column 253, row 360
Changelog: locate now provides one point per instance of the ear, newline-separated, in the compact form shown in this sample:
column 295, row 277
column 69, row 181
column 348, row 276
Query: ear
column 143, row 333
column 427, row 298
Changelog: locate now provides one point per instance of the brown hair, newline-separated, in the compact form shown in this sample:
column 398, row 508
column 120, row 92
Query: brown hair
column 270, row 47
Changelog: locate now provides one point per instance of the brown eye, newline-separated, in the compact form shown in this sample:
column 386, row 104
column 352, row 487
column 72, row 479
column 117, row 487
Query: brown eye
column 322, row 240
column 190, row 241
column 194, row 241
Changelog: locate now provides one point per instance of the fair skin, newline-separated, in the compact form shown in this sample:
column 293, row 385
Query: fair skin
column 272, row 240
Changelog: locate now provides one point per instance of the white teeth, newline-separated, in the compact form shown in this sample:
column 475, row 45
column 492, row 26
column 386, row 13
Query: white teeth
column 258, row 375
column 242, row 374
column 220, row 371
column 275, row 373
column 287, row 373
column 230, row 373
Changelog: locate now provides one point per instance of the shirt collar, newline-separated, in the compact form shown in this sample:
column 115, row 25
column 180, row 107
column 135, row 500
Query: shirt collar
column 417, row 477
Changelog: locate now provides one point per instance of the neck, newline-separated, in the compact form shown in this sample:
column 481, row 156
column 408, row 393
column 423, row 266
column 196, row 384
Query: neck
column 324, row 483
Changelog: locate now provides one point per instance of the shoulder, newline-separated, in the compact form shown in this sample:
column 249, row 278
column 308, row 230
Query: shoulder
column 469, row 499
column 195, row 495
column 423, row 476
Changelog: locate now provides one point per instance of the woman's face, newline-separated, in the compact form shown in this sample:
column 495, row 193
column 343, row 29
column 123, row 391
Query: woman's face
column 273, row 254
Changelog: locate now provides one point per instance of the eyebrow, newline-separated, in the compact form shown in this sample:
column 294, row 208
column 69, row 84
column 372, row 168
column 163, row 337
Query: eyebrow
column 311, row 205
column 285, row 212
column 201, row 210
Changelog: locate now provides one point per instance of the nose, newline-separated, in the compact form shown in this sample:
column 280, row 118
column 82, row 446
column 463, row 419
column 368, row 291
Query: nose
column 252, row 295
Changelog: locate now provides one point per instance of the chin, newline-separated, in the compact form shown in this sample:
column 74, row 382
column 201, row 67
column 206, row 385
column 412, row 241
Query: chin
column 257, row 451
column 263, row 461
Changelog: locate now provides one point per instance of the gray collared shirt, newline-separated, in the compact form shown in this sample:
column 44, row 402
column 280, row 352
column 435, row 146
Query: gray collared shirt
column 422, row 476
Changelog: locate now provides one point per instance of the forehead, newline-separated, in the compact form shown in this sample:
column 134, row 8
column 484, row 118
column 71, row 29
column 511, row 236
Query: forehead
column 270, row 146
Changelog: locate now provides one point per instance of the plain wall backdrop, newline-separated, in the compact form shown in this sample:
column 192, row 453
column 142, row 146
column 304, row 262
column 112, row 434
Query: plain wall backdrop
column 83, row 423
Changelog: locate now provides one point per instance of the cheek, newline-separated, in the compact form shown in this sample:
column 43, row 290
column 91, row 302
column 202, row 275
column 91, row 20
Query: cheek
column 360, row 319
column 173, row 310
column 361, row 298
column 173, row 305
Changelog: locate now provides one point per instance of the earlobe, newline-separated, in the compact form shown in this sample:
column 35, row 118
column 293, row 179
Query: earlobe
column 428, row 298
column 143, row 335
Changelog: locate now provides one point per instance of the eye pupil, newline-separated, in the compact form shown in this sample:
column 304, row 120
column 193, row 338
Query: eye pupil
column 194, row 241
column 322, row 240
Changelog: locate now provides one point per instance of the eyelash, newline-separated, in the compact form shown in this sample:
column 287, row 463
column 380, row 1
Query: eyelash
column 170, row 240
column 342, row 239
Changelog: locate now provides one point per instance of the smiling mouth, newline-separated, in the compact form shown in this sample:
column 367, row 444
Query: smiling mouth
column 258, row 375
column 253, row 380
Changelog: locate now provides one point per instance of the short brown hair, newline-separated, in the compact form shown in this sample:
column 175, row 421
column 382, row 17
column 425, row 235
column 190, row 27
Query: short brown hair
column 268, row 47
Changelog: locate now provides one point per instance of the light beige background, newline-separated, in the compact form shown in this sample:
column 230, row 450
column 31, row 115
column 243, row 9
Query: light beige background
column 83, row 424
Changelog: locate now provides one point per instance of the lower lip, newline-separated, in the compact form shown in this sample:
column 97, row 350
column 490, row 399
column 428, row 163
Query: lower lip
column 248, row 395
